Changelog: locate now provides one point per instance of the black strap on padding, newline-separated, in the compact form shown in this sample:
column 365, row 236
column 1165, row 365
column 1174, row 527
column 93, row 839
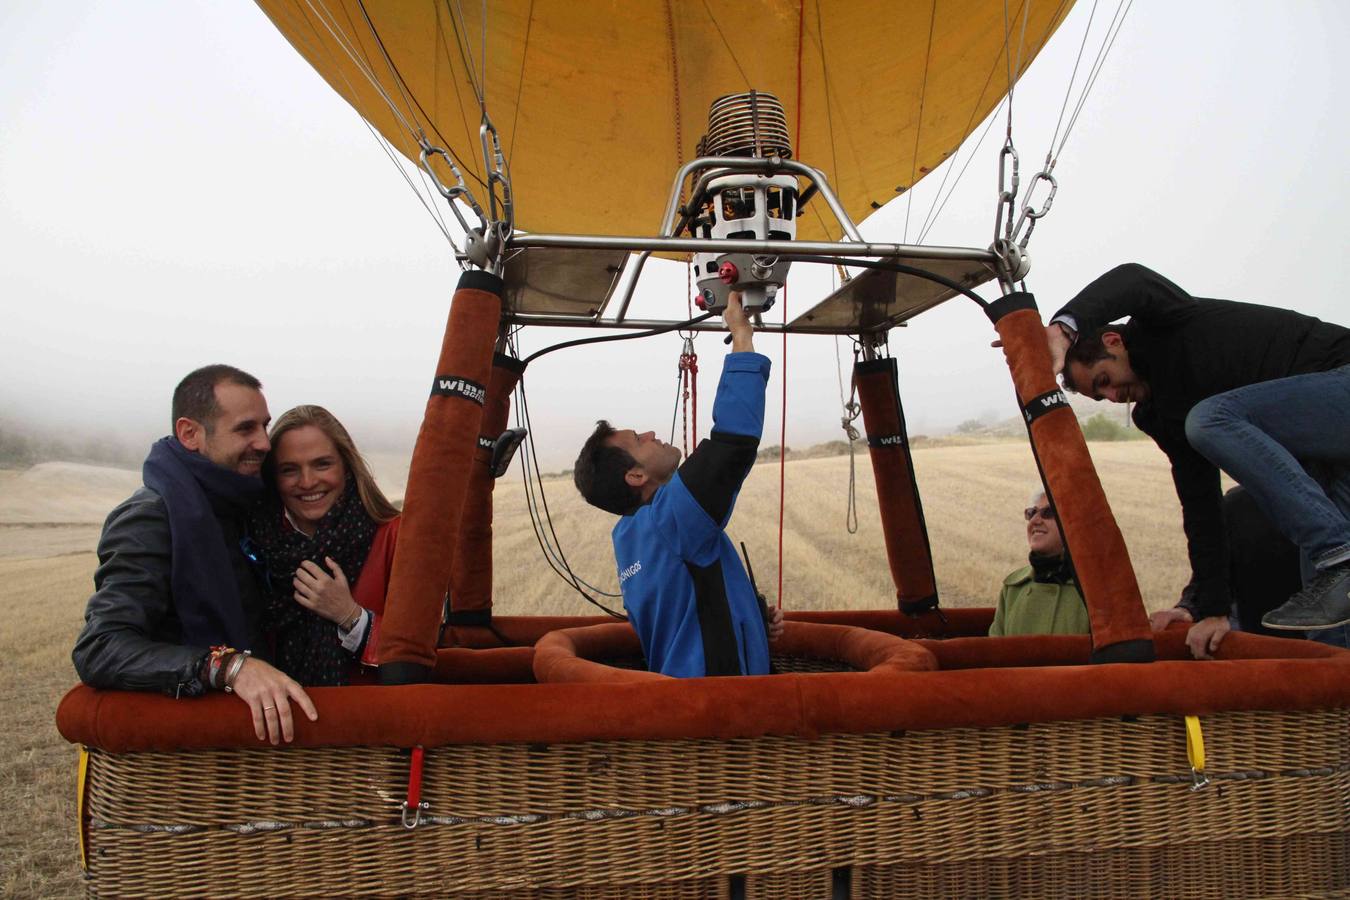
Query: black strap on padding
column 885, row 440
column 1010, row 303
column 458, row 386
column 1045, row 403
column 477, row 280
column 486, row 443
column 920, row 606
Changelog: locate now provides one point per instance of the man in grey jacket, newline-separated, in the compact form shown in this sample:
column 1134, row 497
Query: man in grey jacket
column 177, row 604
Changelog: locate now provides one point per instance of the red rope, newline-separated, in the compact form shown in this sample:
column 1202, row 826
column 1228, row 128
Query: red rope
column 689, row 364
column 693, row 381
column 782, row 435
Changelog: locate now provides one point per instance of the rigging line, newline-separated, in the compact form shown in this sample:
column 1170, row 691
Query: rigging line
column 416, row 133
column 975, row 149
column 1022, row 38
column 782, row 436
column 829, row 119
column 675, row 413
column 731, row 53
column 564, row 572
column 548, row 515
column 970, row 122
column 651, row 332
column 570, row 578
column 520, row 82
column 933, row 216
column 918, row 131
column 362, row 64
column 1092, row 78
column 383, row 142
column 450, row 63
column 1007, row 58
column 1073, row 76
column 829, row 104
column 675, row 98
column 432, row 209
column 896, row 267
column 458, row 23
column 398, row 81
column 1007, row 55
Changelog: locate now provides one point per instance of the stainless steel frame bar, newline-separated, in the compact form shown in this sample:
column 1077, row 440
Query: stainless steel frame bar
column 787, row 249
column 711, row 325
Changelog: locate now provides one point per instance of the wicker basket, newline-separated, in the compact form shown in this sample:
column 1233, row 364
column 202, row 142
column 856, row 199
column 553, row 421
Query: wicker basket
column 1095, row 808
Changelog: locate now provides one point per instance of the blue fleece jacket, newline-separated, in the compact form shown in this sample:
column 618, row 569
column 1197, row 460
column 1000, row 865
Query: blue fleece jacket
column 685, row 589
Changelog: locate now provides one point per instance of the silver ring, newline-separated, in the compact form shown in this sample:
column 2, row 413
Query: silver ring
column 266, row 708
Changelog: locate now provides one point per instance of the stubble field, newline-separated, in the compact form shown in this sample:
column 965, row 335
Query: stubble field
column 973, row 497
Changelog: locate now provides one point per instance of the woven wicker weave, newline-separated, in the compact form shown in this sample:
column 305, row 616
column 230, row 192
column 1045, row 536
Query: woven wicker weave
column 1100, row 808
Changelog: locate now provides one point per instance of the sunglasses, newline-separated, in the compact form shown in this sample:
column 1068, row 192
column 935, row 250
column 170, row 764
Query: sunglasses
column 1046, row 512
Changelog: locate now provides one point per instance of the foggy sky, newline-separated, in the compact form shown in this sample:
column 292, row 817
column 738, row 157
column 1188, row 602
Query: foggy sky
column 178, row 187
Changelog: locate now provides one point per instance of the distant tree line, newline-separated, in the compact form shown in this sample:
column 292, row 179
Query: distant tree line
column 23, row 447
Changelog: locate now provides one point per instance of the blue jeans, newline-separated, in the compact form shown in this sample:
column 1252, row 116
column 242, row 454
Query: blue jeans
column 1262, row 435
column 1268, row 437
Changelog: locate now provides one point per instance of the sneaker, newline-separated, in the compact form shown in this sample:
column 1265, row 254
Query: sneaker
column 1324, row 603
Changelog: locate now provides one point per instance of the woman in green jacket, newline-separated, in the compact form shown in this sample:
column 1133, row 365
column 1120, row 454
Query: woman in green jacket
column 1042, row 597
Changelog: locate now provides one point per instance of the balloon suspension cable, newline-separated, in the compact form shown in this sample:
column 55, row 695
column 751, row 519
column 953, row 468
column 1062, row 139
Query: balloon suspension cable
column 651, row 332
column 852, row 409
column 896, row 267
column 541, row 519
column 485, row 241
column 1011, row 235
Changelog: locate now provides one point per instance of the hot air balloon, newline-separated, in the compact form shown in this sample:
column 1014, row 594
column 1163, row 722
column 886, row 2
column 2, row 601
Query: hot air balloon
column 895, row 754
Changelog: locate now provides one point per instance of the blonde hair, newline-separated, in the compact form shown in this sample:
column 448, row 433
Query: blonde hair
column 372, row 498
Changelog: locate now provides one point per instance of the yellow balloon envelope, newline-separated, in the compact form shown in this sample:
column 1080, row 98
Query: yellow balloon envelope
column 599, row 103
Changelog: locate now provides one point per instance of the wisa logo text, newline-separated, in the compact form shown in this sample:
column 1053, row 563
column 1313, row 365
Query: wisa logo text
column 1056, row 398
column 629, row 572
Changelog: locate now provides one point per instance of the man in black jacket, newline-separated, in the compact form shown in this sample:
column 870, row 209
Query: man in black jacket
column 176, row 602
column 1259, row 392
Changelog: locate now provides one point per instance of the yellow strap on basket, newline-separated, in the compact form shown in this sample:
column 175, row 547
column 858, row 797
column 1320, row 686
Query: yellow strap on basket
column 1195, row 751
column 81, row 781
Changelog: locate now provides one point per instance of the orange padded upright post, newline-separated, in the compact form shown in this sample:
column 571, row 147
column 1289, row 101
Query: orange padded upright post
column 471, row 575
column 438, row 482
column 907, row 546
column 1120, row 630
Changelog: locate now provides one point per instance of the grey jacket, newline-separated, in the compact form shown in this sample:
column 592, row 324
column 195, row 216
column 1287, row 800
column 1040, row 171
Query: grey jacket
column 132, row 637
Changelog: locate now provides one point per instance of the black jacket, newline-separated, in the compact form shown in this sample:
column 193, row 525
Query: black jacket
column 1188, row 349
column 132, row 638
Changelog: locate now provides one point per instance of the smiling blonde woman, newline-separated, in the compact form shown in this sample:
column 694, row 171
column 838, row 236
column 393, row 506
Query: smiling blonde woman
column 324, row 543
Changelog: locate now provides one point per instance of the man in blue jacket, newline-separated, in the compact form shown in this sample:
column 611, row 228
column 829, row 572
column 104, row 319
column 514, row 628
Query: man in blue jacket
column 685, row 589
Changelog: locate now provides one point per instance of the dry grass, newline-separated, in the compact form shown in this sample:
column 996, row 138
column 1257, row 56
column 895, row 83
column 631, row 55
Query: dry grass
column 972, row 499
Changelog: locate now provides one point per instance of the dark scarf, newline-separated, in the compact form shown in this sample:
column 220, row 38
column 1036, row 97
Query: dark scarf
column 202, row 581
column 307, row 646
column 1052, row 569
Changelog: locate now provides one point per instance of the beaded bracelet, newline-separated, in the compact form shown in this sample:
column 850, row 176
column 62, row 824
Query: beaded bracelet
column 218, row 657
